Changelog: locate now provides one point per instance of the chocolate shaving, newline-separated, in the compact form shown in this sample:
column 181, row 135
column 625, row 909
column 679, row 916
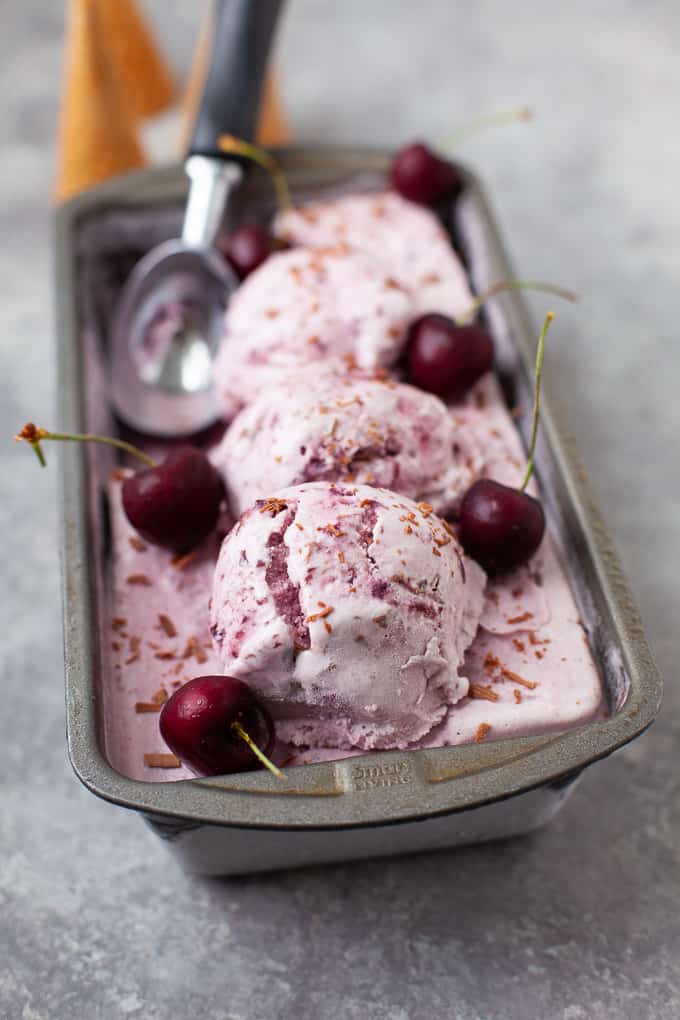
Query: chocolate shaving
column 483, row 693
column 520, row 619
column 273, row 506
column 167, row 625
column 162, row 761
column 517, row 679
column 331, row 529
column 193, row 647
column 319, row 616
column 137, row 543
column 483, row 731
column 142, row 579
column 135, row 642
column 491, row 662
column 181, row 562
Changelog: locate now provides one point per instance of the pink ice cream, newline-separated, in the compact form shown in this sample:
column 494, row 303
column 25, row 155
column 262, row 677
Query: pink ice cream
column 349, row 610
column 326, row 423
column 406, row 238
column 304, row 306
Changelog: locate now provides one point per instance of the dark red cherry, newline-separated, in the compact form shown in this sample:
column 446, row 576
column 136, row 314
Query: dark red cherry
column 500, row 527
column 444, row 358
column 176, row 503
column 198, row 723
column 421, row 176
column 247, row 248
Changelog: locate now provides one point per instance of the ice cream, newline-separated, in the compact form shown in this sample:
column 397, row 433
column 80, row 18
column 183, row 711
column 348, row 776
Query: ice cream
column 304, row 306
column 406, row 238
column 327, row 423
column 530, row 641
column 348, row 609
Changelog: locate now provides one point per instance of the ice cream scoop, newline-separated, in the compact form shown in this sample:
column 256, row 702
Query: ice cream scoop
column 407, row 239
column 355, row 607
column 306, row 306
column 168, row 320
column 328, row 423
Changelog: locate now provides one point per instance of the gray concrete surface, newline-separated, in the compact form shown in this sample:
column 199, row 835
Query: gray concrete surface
column 579, row 922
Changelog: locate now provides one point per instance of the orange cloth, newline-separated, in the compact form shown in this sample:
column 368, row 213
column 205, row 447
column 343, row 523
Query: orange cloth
column 97, row 135
column 144, row 76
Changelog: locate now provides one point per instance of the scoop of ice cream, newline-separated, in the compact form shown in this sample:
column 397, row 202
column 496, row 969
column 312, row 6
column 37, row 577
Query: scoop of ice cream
column 307, row 305
column 348, row 609
column 407, row 238
column 329, row 424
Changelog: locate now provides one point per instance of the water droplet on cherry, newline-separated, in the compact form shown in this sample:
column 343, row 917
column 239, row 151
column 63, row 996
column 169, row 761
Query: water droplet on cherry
column 500, row 527
column 445, row 358
column 421, row 176
column 202, row 721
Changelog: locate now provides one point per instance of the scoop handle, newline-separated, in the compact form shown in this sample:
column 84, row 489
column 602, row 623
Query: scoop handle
column 243, row 33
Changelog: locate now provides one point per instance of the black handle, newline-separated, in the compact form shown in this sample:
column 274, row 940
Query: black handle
column 243, row 32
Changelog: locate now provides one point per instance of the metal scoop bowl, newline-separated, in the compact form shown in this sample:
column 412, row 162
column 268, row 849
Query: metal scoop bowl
column 169, row 318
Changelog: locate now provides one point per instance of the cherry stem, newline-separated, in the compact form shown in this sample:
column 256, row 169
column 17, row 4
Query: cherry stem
column 231, row 144
column 537, row 393
column 30, row 433
column 504, row 285
column 240, row 732
column 518, row 113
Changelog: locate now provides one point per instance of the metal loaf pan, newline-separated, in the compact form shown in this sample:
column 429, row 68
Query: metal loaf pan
column 381, row 803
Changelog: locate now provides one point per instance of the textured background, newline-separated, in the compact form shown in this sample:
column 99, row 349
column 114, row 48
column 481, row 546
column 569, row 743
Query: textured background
column 579, row 921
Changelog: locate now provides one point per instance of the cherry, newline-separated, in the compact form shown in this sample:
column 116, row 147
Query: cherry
column 174, row 504
column 247, row 248
column 215, row 725
column 421, row 176
column 445, row 358
column 501, row 527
